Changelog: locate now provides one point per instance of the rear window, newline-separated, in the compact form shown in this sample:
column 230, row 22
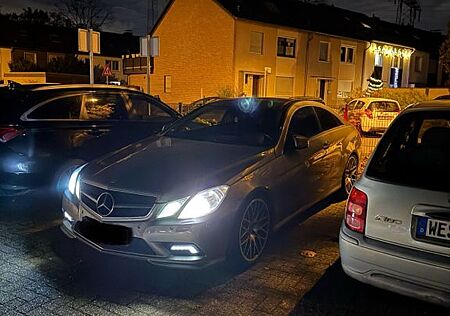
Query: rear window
column 384, row 106
column 356, row 105
column 415, row 152
column 64, row 108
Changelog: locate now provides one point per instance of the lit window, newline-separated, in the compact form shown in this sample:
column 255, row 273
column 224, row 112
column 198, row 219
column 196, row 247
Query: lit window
column 378, row 60
column 256, row 42
column 347, row 54
column 286, row 47
column 397, row 62
column 324, row 49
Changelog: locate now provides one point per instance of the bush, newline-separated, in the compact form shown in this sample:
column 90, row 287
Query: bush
column 405, row 96
column 22, row 65
column 227, row 92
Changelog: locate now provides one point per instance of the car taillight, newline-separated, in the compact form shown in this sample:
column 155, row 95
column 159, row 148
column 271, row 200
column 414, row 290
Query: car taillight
column 8, row 133
column 368, row 113
column 355, row 213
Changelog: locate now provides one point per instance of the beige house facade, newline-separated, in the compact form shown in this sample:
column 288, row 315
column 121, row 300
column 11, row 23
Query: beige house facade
column 205, row 51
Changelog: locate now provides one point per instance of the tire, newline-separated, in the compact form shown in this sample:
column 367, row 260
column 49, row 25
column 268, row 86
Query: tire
column 251, row 232
column 349, row 176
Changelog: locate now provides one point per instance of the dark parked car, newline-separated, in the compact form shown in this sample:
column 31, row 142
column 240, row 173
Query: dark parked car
column 46, row 131
column 214, row 184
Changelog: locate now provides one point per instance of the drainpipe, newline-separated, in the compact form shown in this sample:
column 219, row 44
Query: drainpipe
column 364, row 64
column 310, row 37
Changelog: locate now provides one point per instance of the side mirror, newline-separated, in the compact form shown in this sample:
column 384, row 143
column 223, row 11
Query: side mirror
column 300, row 142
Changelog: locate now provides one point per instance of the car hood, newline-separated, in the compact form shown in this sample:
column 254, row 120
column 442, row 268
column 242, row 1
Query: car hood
column 171, row 168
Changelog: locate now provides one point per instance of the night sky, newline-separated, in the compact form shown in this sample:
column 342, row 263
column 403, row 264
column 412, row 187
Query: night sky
column 130, row 15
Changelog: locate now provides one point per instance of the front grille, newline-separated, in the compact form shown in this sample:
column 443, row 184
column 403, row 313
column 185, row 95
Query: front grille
column 125, row 204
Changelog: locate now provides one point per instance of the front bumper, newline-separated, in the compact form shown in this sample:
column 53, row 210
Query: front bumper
column 405, row 271
column 151, row 239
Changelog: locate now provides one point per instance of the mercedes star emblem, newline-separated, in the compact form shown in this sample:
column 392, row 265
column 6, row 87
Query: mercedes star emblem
column 105, row 204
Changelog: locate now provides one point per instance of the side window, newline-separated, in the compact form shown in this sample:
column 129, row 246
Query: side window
column 103, row 106
column 360, row 105
column 351, row 105
column 64, row 108
column 143, row 108
column 327, row 119
column 304, row 123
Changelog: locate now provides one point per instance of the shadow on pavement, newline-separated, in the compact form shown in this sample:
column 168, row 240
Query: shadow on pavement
column 338, row 294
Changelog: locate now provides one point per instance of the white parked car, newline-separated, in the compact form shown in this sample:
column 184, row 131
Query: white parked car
column 372, row 114
column 396, row 230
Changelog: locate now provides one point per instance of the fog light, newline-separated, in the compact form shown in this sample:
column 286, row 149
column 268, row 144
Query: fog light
column 191, row 249
column 68, row 217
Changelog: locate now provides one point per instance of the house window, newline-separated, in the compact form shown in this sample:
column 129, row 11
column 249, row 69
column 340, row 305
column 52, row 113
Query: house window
column 347, row 54
column 256, row 42
column 30, row 57
column 167, row 84
column 284, row 87
column 397, row 62
column 113, row 64
column 418, row 64
column 286, row 47
column 378, row 60
column 54, row 57
column 324, row 51
column 344, row 88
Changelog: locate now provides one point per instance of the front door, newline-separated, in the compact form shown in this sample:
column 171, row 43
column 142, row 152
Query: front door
column 322, row 89
column 253, row 85
column 297, row 172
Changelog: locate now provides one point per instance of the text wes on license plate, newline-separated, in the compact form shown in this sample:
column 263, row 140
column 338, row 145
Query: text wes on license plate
column 427, row 227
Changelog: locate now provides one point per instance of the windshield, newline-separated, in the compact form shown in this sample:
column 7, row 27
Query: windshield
column 247, row 121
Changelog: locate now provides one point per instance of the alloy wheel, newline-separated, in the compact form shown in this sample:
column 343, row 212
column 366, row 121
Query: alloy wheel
column 350, row 173
column 254, row 230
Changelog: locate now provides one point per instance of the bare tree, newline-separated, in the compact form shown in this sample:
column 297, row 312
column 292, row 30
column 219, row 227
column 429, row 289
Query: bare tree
column 84, row 13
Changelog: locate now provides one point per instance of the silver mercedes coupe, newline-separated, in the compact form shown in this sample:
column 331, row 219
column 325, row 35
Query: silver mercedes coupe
column 213, row 185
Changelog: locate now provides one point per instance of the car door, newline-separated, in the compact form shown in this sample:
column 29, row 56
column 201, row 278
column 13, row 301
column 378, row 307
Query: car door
column 146, row 115
column 55, row 133
column 295, row 169
column 106, row 115
column 332, row 137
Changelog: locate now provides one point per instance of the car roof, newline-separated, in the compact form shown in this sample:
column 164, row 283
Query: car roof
column 429, row 105
column 82, row 86
column 370, row 99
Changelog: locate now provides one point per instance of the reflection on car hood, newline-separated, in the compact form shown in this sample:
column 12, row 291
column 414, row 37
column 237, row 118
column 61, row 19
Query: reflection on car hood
column 172, row 168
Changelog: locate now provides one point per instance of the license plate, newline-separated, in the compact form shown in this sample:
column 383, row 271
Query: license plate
column 433, row 228
column 385, row 117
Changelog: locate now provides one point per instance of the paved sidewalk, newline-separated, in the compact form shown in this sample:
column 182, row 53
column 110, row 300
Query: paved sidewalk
column 43, row 273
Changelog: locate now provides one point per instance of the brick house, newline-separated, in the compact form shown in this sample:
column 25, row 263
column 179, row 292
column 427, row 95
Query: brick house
column 280, row 48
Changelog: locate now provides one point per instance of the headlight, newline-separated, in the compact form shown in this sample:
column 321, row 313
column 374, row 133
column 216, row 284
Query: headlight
column 171, row 208
column 74, row 182
column 204, row 202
